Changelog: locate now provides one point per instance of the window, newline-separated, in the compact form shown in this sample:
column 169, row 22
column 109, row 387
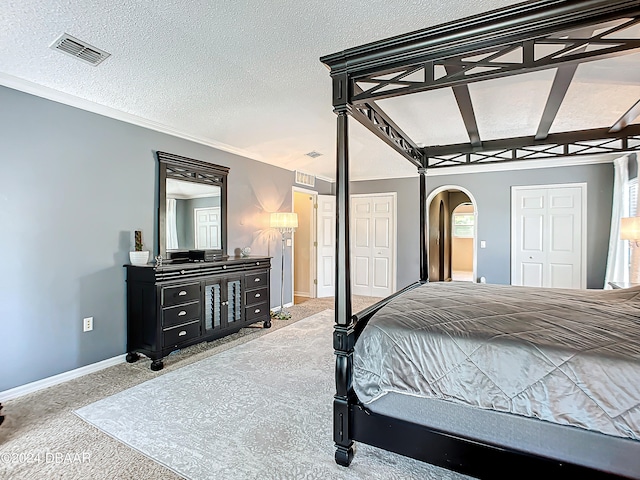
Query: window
column 463, row 224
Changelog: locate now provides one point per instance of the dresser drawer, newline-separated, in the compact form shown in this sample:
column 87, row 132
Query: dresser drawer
column 255, row 280
column 255, row 312
column 180, row 294
column 255, row 296
column 181, row 333
column 180, row 314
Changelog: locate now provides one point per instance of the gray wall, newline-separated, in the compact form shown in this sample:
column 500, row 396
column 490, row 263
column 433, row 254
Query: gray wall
column 74, row 187
column 492, row 192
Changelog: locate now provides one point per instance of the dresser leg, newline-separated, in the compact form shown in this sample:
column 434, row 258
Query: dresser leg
column 157, row 365
column 132, row 357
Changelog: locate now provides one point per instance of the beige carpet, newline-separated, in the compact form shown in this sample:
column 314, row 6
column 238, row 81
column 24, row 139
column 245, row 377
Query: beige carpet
column 42, row 439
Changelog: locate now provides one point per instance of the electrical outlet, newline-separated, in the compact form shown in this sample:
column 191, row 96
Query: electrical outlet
column 87, row 324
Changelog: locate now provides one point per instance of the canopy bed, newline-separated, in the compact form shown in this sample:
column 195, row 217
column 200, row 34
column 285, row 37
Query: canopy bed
column 386, row 395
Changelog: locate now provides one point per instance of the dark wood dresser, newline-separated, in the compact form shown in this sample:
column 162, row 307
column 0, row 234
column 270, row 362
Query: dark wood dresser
column 177, row 305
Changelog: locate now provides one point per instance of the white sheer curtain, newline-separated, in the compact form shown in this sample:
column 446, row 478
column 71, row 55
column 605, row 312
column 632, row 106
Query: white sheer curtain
column 171, row 223
column 618, row 258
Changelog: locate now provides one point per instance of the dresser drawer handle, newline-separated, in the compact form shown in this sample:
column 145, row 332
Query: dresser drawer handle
column 182, row 333
column 257, row 310
column 257, row 295
column 182, row 293
column 256, row 280
column 182, row 313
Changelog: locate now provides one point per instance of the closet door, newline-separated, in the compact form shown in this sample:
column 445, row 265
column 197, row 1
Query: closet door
column 548, row 236
column 373, row 233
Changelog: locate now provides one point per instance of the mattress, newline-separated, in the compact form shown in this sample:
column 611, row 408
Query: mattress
column 570, row 357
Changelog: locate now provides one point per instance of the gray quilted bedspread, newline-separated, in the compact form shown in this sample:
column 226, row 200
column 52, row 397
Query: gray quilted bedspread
column 566, row 356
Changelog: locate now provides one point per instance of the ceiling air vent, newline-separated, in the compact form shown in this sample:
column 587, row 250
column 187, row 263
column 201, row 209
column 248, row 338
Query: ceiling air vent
column 305, row 179
column 79, row 49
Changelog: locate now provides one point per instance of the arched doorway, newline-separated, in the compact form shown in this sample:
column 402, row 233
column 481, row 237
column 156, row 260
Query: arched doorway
column 452, row 229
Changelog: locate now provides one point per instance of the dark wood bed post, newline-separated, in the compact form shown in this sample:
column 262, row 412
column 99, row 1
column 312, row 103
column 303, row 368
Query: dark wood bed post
column 343, row 335
column 424, row 260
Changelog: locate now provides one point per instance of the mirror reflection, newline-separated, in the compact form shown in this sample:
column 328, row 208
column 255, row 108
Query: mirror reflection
column 193, row 216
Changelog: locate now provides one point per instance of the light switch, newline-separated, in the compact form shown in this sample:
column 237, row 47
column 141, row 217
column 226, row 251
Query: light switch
column 483, row 244
column 288, row 242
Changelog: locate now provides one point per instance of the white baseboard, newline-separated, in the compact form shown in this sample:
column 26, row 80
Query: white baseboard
column 60, row 378
column 286, row 305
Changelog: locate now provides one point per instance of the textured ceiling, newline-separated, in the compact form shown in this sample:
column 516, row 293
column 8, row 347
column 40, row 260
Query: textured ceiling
column 246, row 76
column 243, row 74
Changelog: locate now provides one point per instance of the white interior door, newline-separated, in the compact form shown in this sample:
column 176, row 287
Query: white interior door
column 326, row 251
column 549, row 236
column 207, row 227
column 373, row 244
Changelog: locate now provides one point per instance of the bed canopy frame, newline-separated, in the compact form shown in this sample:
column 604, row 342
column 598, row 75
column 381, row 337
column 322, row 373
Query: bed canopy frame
column 453, row 55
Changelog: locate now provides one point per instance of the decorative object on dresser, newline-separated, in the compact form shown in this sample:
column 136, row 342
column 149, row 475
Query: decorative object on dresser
column 284, row 222
column 195, row 292
column 138, row 256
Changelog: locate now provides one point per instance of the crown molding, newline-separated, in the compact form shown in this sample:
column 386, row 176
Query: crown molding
column 48, row 93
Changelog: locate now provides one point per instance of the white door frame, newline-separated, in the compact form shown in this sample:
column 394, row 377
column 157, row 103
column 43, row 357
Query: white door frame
column 443, row 188
column 314, row 242
column 583, row 233
column 394, row 250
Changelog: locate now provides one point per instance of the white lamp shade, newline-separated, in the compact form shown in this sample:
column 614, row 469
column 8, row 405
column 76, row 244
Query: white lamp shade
column 283, row 220
column 630, row 228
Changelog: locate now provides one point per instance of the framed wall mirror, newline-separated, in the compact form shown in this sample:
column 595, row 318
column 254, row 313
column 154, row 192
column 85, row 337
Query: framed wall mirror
column 192, row 216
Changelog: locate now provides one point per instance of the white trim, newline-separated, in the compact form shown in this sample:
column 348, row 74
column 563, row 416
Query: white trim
column 323, row 178
column 394, row 250
column 60, row 378
column 89, row 106
column 584, row 233
column 430, row 198
column 523, row 165
column 71, row 100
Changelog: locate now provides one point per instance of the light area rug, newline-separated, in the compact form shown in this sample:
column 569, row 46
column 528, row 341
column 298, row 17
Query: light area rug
column 260, row 410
